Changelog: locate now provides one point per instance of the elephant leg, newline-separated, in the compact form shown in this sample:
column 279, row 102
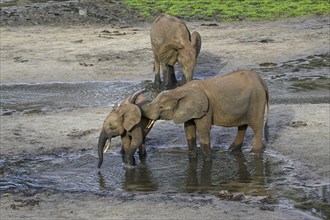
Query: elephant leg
column 190, row 131
column 173, row 80
column 129, row 158
column 157, row 73
column 257, row 139
column 129, row 149
column 183, row 80
column 203, row 127
column 126, row 142
column 166, row 76
column 142, row 151
column 238, row 142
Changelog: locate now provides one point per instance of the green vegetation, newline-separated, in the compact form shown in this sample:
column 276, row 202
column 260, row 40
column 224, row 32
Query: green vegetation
column 230, row 10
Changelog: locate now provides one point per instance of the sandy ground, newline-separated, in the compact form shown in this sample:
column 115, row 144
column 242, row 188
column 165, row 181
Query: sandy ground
column 36, row 54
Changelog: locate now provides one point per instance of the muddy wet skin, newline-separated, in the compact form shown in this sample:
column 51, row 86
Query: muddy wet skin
column 166, row 169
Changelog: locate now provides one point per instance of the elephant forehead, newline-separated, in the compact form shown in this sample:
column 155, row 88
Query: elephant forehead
column 112, row 119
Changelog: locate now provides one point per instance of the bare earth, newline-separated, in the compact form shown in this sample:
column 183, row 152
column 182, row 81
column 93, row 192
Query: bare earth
column 34, row 54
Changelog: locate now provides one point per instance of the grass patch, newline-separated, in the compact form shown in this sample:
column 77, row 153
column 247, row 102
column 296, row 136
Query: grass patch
column 229, row 10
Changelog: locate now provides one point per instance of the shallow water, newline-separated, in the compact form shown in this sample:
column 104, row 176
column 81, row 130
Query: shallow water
column 166, row 169
column 301, row 81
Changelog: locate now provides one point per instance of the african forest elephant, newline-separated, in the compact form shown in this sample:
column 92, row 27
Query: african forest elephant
column 234, row 99
column 126, row 121
column 171, row 42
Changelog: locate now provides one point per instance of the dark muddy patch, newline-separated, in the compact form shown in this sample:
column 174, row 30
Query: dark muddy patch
column 299, row 81
column 63, row 12
column 167, row 170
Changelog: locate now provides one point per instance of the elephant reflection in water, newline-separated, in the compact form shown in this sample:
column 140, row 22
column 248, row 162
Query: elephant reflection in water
column 192, row 178
column 137, row 178
column 249, row 179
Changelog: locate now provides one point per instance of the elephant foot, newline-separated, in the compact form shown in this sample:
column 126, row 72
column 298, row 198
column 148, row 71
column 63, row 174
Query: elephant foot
column 207, row 152
column 256, row 152
column 192, row 154
column 234, row 148
column 122, row 151
column 157, row 80
column 129, row 160
column 142, row 155
column 208, row 158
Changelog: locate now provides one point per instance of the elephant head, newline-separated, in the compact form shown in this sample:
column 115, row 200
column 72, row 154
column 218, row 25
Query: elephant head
column 187, row 56
column 180, row 105
column 121, row 119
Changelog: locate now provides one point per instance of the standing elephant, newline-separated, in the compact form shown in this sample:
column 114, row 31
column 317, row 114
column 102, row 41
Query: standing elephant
column 171, row 41
column 234, row 99
column 126, row 121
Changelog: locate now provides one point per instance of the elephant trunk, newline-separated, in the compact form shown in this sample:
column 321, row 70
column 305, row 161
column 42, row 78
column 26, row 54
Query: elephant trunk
column 102, row 140
column 135, row 95
column 146, row 111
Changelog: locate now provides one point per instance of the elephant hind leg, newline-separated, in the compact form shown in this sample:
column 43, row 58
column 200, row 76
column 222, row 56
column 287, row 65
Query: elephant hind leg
column 238, row 142
column 257, row 139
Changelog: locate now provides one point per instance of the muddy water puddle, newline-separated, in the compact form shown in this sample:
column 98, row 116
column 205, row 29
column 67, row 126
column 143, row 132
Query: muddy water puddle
column 166, row 170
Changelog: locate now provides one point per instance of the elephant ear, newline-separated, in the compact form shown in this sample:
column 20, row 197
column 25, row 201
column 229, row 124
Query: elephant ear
column 131, row 116
column 192, row 103
column 196, row 41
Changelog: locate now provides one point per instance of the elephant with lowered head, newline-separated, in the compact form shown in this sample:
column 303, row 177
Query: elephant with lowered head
column 235, row 99
column 172, row 42
column 127, row 122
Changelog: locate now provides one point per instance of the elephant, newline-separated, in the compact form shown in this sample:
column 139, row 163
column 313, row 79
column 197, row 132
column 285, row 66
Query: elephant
column 235, row 99
column 172, row 42
column 127, row 122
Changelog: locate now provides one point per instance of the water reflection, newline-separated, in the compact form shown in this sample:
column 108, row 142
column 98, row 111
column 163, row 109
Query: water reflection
column 204, row 183
column 242, row 173
column 138, row 178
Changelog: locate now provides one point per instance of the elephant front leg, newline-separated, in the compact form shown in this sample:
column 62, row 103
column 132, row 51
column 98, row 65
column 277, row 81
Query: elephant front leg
column 190, row 131
column 142, row 152
column 238, row 142
column 157, row 73
column 169, row 76
column 129, row 158
column 173, row 80
column 125, row 143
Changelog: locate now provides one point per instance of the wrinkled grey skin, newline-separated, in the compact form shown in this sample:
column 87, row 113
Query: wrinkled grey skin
column 235, row 99
column 127, row 122
column 172, row 42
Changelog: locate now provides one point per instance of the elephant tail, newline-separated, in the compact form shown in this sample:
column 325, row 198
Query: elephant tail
column 266, row 128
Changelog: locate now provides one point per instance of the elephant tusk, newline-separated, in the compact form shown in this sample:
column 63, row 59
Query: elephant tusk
column 150, row 123
column 106, row 148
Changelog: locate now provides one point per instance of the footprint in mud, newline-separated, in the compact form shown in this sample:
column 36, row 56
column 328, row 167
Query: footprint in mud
column 75, row 133
column 28, row 203
column 296, row 124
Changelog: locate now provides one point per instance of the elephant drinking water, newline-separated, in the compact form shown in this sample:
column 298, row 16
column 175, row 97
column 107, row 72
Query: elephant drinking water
column 127, row 122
